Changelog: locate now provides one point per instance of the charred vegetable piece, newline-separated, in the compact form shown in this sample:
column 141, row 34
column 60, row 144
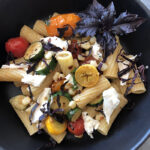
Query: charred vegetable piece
column 56, row 86
column 44, row 66
column 34, row 52
column 98, row 101
column 74, row 114
column 76, row 128
column 54, row 127
column 61, row 21
column 64, row 104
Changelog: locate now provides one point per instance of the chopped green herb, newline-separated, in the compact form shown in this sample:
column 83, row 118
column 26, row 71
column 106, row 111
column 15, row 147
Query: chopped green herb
column 60, row 93
column 75, row 86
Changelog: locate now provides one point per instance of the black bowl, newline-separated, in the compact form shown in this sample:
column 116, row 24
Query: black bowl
column 130, row 128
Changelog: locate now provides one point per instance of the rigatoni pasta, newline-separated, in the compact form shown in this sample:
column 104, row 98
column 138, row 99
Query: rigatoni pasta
column 29, row 34
column 138, row 87
column 11, row 74
column 89, row 94
column 112, row 66
column 65, row 61
column 24, row 117
column 104, row 126
column 40, row 27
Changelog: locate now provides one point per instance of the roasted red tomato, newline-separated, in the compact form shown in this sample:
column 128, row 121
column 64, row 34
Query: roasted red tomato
column 77, row 127
column 17, row 46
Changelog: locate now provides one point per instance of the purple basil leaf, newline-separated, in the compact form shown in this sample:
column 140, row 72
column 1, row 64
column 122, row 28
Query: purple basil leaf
column 126, row 23
column 99, row 67
column 102, row 22
column 142, row 72
column 132, row 83
column 107, row 41
column 32, row 112
column 95, row 9
column 30, row 92
column 87, row 26
column 127, row 28
column 109, row 16
column 58, row 110
column 125, row 17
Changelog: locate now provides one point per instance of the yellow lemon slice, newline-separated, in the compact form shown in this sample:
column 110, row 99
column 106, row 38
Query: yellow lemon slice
column 54, row 127
column 87, row 75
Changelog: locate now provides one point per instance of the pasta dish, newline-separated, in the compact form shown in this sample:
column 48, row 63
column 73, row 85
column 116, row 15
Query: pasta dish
column 73, row 72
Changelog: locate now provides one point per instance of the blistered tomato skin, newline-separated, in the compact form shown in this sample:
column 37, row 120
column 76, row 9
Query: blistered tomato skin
column 77, row 127
column 17, row 46
column 60, row 21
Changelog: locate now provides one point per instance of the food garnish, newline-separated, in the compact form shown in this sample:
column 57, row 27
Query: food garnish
column 102, row 22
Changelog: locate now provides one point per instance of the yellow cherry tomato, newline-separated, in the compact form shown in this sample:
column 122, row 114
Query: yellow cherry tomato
column 87, row 75
column 54, row 127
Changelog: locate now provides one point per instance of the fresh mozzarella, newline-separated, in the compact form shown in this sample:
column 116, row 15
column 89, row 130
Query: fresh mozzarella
column 57, row 42
column 69, row 78
column 110, row 103
column 35, row 80
column 90, row 124
column 42, row 101
column 96, row 51
column 94, row 63
column 49, row 54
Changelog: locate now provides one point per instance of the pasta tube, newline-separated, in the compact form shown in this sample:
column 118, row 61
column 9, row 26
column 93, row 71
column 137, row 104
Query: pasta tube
column 120, row 89
column 37, row 90
column 112, row 66
column 24, row 117
column 11, row 74
column 104, row 126
column 40, row 27
column 89, row 94
column 18, row 60
column 138, row 87
column 29, row 34
column 65, row 61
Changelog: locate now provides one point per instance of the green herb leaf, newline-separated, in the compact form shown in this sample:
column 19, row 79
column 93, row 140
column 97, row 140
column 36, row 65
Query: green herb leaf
column 65, row 94
column 75, row 86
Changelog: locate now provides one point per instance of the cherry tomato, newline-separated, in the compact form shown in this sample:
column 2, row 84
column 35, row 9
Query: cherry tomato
column 77, row 127
column 17, row 46
column 60, row 21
